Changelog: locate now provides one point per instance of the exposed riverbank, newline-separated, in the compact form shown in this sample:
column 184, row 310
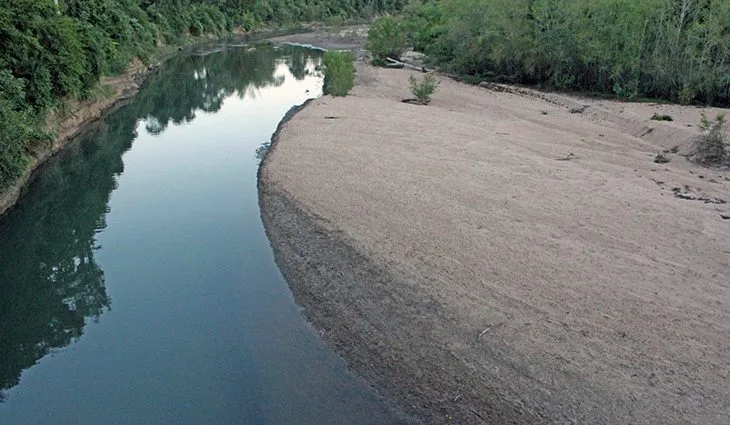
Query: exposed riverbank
column 508, row 256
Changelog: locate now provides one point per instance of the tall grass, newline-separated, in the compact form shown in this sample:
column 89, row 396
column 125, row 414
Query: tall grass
column 712, row 147
column 339, row 73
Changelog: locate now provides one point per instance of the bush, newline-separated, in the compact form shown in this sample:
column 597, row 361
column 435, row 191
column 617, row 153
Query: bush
column 660, row 117
column 18, row 127
column 423, row 89
column 339, row 73
column 662, row 159
column 712, row 146
column 386, row 38
column 633, row 49
column 422, row 24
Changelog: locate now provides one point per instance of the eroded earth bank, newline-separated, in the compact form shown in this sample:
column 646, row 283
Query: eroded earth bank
column 505, row 256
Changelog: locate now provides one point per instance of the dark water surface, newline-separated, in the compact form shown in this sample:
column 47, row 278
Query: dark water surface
column 137, row 285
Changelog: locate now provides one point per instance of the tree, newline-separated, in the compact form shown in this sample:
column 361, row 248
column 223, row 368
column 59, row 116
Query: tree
column 386, row 38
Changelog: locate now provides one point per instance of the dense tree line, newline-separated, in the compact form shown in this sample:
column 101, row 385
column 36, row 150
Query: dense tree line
column 678, row 50
column 52, row 50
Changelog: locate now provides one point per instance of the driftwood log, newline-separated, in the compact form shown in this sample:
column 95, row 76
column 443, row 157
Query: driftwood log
column 392, row 63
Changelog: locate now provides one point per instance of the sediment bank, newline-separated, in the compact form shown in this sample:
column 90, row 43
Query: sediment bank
column 502, row 256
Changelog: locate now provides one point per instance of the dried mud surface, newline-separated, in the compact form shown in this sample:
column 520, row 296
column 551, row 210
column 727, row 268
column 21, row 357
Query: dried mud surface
column 504, row 256
column 349, row 37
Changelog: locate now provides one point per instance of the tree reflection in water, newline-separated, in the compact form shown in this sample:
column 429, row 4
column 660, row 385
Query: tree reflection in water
column 50, row 283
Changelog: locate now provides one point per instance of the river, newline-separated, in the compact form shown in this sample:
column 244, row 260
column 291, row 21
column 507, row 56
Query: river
column 137, row 285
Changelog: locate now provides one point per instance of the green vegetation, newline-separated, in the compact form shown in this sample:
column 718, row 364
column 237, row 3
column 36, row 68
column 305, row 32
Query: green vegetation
column 386, row 39
column 423, row 89
column 661, row 117
column 56, row 51
column 339, row 73
column 677, row 50
column 712, row 148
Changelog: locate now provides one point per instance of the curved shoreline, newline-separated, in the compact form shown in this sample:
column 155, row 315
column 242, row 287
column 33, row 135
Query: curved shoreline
column 465, row 294
column 337, row 286
column 434, row 386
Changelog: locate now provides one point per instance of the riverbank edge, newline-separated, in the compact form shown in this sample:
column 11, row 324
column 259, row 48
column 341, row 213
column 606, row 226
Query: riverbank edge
column 342, row 290
column 73, row 125
column 84, row 115
column 289, row 228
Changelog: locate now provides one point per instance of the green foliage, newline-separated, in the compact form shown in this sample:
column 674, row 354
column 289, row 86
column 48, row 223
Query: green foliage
column 339, row 73
column 422, row 24
column 423, row 89
column 677, row 50
column 712, row 148
column 386, row 38
column 13, row 129
column 662, row 117
column 335, row 22
column 206, row 18
column 18, row 125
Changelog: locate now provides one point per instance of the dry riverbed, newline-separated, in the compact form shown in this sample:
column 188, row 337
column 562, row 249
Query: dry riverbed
column 349, row 37
column 507, row 256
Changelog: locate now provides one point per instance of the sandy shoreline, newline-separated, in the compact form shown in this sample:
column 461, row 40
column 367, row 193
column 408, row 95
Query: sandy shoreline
column 474, row 277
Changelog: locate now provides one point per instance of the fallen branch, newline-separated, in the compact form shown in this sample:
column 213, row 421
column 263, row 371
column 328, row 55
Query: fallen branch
column 489, row 328
column 567, row 157
column 407, row 65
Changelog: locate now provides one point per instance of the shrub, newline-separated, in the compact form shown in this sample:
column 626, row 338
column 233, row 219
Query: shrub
column 661, row 159
column 18, row 128
column 421, row 24
column 660, row 117
column 423, row 89
column 386, row 38
column 335, row 22
column 339, row 73
column 712, row 146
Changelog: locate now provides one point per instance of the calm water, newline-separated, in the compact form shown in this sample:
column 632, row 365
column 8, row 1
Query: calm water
column 137, row 285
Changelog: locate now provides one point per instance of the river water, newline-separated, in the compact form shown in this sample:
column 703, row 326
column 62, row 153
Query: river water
column 137, row 285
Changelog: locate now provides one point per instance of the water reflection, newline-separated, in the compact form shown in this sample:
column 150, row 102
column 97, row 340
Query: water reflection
column 176, row 94
column 50, row 283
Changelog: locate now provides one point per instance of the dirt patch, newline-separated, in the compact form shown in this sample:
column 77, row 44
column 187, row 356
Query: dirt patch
column 495, row 258
column 351, row 37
